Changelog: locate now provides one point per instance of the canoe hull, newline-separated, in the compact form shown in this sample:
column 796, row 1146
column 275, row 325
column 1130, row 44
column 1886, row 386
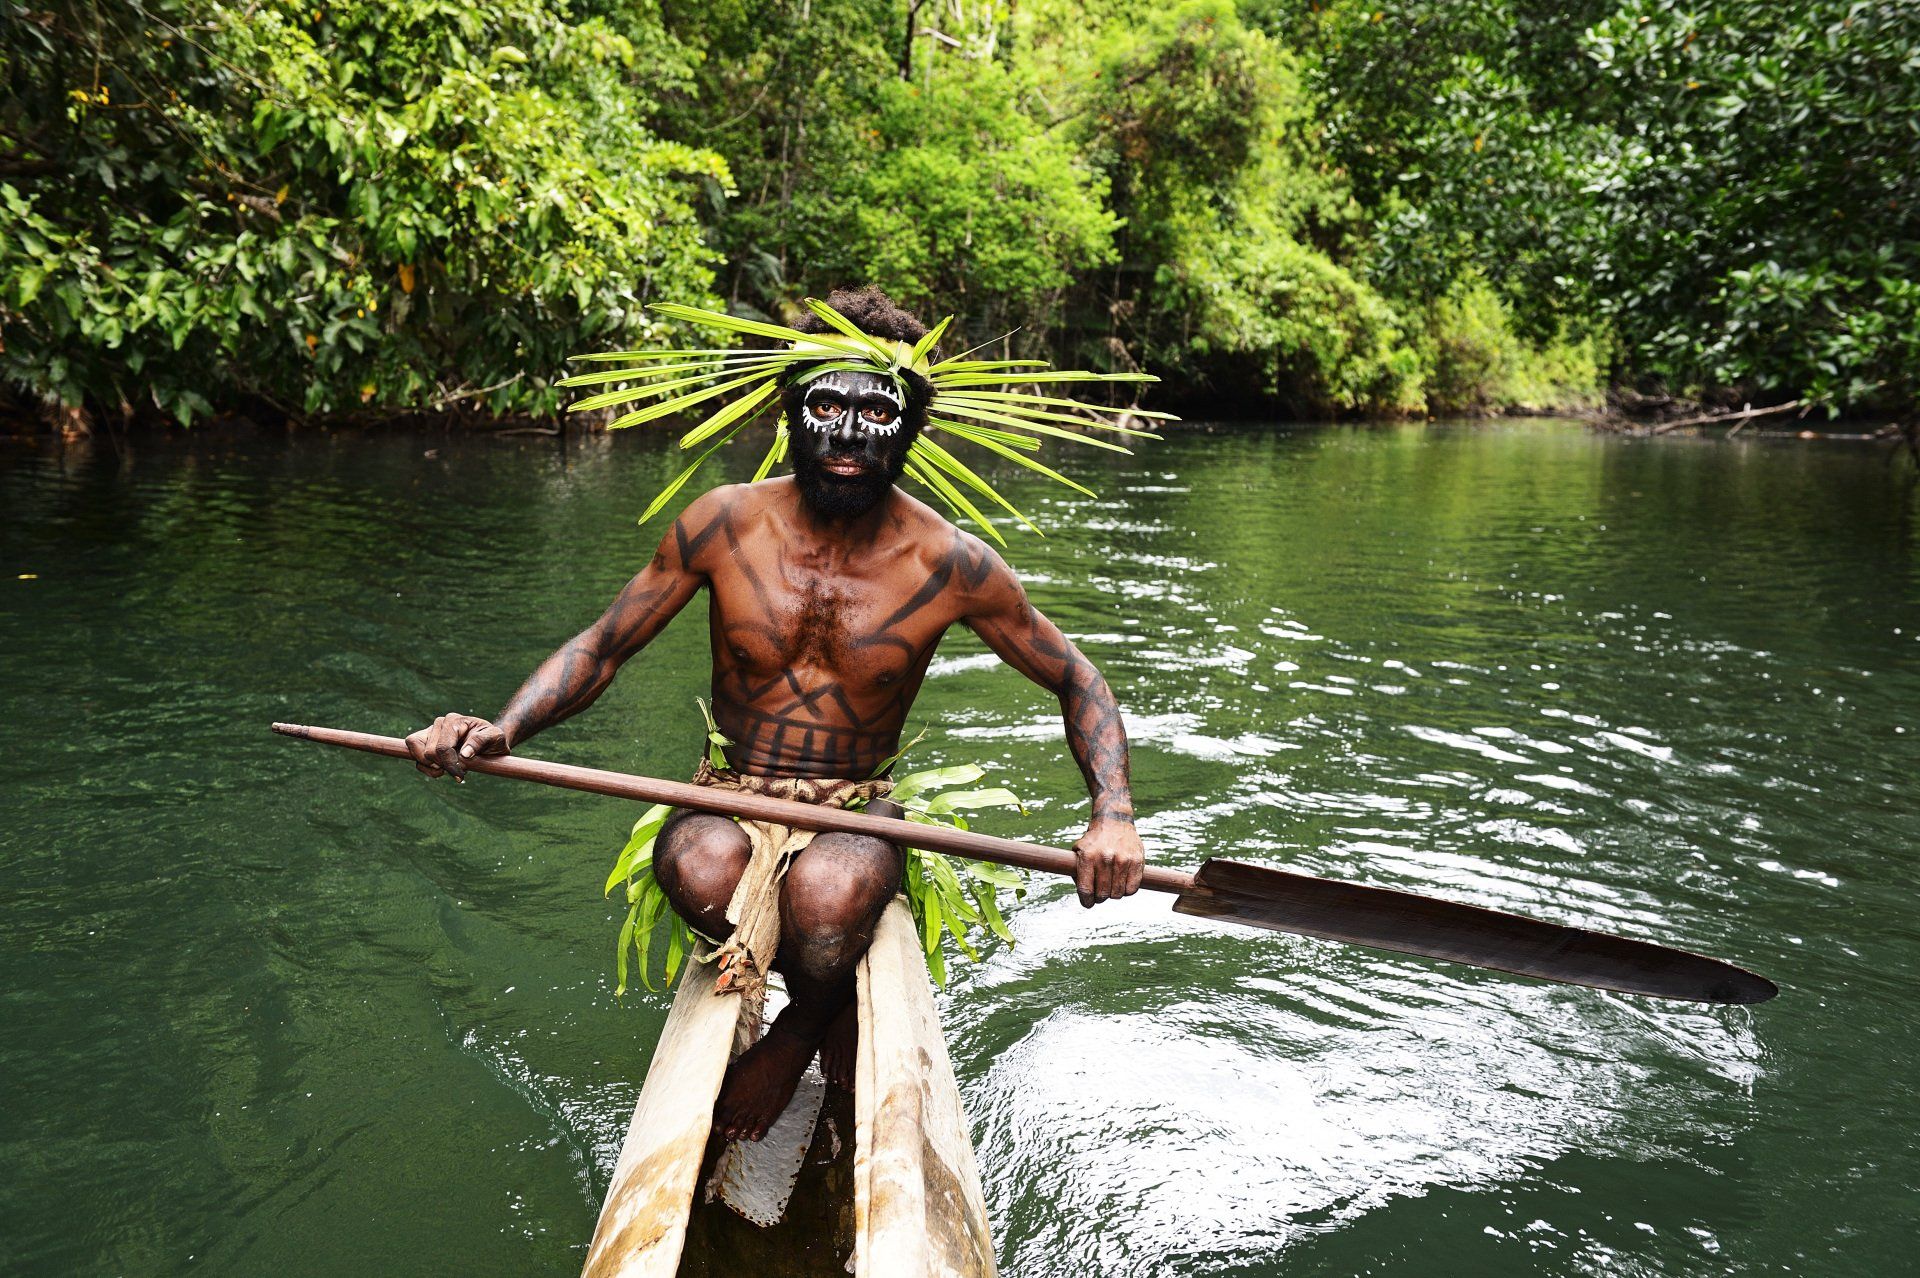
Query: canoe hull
column 814, row 1239
column 903, row 1192
column 917, row 1201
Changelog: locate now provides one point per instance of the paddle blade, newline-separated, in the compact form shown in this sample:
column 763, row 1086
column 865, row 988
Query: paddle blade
column 1425, row 925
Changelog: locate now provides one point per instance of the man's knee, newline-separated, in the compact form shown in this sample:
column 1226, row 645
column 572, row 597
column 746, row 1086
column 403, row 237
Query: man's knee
column 699, row 859
column 833, row 896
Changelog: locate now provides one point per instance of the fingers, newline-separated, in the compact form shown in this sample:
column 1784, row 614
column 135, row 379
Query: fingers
column 484, row 741
column 1085, row 876
column 444, row 747
column 1093, row 875
column 1128, row 868
column 1106, row 873
column 418, row 747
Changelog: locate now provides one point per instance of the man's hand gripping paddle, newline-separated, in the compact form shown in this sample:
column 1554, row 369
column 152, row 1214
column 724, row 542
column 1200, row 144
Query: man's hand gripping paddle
column 1384, row 919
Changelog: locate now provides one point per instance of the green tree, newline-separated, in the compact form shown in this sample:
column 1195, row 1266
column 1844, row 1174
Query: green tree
column 1730, row 190
column 948, row 188
column 334, row 207
column 1236, row 267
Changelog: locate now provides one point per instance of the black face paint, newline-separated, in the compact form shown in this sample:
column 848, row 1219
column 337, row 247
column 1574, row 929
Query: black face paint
column 849, row 438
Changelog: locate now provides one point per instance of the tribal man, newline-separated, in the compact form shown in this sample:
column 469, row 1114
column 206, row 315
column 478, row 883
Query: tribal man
column 828, row 592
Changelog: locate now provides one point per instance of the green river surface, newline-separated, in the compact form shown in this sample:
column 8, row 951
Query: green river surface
column 268, row 1008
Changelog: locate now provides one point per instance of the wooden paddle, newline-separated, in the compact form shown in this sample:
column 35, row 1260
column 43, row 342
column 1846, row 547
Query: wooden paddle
column 1378, row 917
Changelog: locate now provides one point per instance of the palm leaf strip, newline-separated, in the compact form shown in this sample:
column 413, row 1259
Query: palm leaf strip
column 995, row 446
column 986, row 402
column 954, row 467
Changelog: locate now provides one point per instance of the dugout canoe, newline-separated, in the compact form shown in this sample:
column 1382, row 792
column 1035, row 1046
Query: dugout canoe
column 902, row 1197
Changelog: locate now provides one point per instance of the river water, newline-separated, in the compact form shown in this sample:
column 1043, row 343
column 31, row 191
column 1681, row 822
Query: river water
column 270, row 1009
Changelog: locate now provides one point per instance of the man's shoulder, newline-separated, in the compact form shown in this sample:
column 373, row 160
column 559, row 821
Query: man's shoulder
column 730, row 502
column 972, row 568
column 721, row 515
column 913, row 523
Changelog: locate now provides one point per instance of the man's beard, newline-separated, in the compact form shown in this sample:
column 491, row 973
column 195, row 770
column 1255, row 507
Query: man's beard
column 845, row 496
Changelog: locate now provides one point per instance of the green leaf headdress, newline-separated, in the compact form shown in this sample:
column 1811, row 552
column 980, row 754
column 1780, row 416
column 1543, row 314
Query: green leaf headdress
column 987, row 402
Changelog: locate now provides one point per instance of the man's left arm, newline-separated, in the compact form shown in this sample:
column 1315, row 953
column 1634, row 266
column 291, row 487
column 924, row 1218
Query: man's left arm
column 1109, row 855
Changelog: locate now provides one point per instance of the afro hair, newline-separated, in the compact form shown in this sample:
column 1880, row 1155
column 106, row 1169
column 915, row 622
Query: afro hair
column 872, row 310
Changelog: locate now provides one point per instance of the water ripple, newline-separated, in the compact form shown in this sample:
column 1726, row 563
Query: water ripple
column 252, row 992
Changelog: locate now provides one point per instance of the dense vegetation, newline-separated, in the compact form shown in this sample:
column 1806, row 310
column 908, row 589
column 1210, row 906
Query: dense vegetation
column 375, row 206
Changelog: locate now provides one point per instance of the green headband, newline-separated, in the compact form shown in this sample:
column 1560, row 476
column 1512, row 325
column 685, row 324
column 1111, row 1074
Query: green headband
column 805, row 374
column 987, row 403
column 905, row 354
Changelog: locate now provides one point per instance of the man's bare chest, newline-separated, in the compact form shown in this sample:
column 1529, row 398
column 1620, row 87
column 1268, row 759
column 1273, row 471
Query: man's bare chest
column 870, row 627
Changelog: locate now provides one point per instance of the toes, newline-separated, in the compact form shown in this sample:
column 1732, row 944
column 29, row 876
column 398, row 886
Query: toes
column 733, row 1121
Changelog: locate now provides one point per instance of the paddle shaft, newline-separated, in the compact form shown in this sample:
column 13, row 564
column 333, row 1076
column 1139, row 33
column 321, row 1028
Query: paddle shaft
column 1259, row 896
column 754, row 807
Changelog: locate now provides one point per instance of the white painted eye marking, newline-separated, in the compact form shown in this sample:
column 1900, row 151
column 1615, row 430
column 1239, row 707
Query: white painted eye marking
column 829, row 395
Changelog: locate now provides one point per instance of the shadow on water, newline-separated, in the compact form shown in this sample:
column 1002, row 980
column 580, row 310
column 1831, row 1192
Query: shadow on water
column 269, row 1010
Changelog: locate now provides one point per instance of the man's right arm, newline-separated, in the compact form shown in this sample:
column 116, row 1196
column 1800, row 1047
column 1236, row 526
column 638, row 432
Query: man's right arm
column 568, row 681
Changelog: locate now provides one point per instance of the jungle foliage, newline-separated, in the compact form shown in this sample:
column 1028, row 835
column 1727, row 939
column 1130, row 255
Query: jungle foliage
column 1732, row 190
column 381, row 206
column 328, row 206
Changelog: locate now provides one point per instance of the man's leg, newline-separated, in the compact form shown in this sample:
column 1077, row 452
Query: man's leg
column 830, row 902
column 698, row 860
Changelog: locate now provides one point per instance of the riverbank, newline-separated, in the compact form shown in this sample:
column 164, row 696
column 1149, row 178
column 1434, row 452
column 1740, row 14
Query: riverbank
column 1800, row 423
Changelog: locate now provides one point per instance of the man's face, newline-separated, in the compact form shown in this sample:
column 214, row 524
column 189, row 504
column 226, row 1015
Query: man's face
column 849, row 442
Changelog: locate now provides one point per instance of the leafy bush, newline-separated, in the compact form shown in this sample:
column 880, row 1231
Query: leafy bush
column 947, row 187
column 411, row 205
column 956, row 192
column 1230, row 273
column 1734, row 192
column 332, row 206
column 1480, row 363
column 1321, row 340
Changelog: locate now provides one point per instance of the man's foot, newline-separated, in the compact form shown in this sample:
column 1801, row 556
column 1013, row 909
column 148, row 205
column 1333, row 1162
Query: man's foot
column 838, row 1048
column 760, row 1083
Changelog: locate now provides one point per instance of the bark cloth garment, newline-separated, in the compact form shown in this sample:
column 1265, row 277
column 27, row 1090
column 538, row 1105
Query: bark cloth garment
column 744, row 959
